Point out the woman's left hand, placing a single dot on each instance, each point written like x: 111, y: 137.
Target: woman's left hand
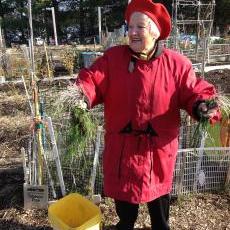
x: 208, y: 112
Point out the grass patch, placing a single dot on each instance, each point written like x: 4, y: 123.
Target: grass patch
x: 213, y: 138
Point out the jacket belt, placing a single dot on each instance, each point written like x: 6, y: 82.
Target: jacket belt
x: 149, y: 131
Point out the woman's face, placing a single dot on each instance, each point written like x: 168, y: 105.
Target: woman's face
x: 141, y: 38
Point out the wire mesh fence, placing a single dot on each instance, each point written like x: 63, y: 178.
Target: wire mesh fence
x: 194, y: 172
x: 196, y: 169
x: 201, y: 170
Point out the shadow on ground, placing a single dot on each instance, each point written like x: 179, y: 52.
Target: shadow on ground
x: 112, y: 227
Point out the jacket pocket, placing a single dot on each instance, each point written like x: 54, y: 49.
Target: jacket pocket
x: 113, y: 155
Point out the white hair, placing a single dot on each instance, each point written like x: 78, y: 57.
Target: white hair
x: 153, y: 27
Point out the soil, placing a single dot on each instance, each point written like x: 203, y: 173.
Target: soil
x: 200, y: 212
x: 220, y: 78
x: 194, y: 212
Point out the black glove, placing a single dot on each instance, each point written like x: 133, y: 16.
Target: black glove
x: 205, y: 109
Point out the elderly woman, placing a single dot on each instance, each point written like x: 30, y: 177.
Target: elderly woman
x: 143, y: 87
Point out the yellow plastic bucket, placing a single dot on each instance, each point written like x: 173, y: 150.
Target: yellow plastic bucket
x: 74, y: 212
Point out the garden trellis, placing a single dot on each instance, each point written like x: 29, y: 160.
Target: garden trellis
x: 193, y: 17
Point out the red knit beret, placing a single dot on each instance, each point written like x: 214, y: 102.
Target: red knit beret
x: 156, y: 11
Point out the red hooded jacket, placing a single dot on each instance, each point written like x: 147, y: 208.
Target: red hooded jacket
x: 142, y: 117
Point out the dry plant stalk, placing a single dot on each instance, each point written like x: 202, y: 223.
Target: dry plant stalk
x: 68, y: 61
x: 69, y: 99
x: 224, y: 104
x: 4, y: 60
x: 18, y: 64
x: 123, y: 40
x: 1, y: 71
x: 43, y: 70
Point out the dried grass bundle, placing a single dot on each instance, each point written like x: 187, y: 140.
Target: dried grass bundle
x: 81, y: 124
x: 224, y: 103
x: 69, y: 98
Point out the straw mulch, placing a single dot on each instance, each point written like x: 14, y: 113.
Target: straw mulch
x: 220, y: 78
x: 14, y: 128
x: 10, y: 155
x: 194, y: 212
x: 12, y: 105
x: 12, y: 88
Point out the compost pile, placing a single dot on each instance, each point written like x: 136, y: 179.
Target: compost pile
x: 206, y: 211
x: 220, y: 78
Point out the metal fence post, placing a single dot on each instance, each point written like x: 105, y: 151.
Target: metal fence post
x: 96, y: 158
x: 56, y: 155
x: 181, y: 174
x: 227, y: 182
x: 200, y: 157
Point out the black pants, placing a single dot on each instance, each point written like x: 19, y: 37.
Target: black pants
x: 158, y: 211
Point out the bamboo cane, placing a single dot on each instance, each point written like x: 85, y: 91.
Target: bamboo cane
x: 95, y: 161
x: 37, y: 118
x: 38, y: 132
x: 30, y: 163
x: 33, y: 162
x: 30, y: 160
x: 25, y: 168
x: 56, y: 155
x: 47, y: 61
x: 27, y: 95
x: 43, y: 117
